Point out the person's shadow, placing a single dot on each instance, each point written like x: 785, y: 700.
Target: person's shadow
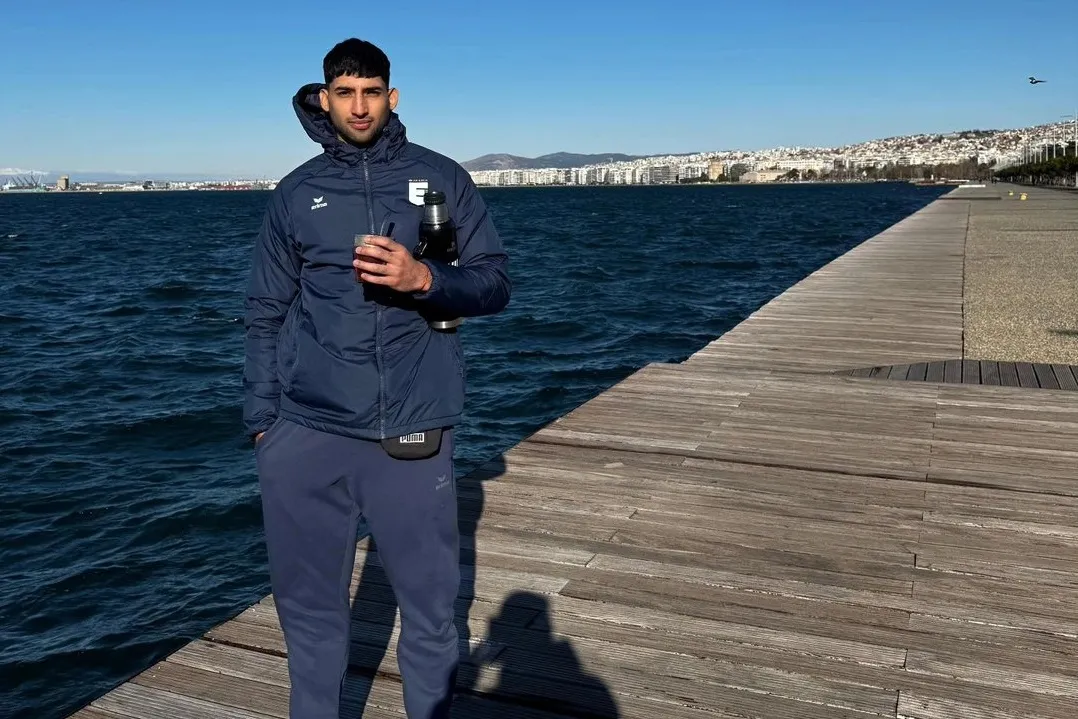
x: 374, y: 607
x: 537, y: 669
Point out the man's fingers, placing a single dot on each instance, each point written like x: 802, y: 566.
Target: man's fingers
x: 384, y: 242
x: 373, y: 267
x: 377, y: 279
x: 370, y: 250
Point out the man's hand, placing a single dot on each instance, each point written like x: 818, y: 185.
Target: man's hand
x: 382, y: 261
x: 258, y: 437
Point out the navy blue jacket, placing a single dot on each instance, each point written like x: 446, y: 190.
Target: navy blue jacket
x: 332, y: 353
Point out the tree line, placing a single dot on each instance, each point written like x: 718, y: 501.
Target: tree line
x: 1059, y: 169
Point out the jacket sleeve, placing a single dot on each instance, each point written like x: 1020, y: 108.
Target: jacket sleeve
x: 272, y: 286
x: 479, y: 284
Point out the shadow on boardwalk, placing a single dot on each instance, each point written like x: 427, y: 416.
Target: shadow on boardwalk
x: 534, y: 668
x: 538, y: 669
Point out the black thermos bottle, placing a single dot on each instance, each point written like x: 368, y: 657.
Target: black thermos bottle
x: 438, y: 241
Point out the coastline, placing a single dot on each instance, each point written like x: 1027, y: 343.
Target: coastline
x: 98, y: 191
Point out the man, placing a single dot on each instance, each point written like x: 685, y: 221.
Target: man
x: 339, y: 357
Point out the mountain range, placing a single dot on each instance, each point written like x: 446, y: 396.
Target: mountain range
x: 557, y: 160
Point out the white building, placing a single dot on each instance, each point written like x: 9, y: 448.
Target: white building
x: 692, y: 170
x: 804, y: 165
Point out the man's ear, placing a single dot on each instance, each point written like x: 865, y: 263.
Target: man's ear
x: 394, y: 98
x: 323, y: 99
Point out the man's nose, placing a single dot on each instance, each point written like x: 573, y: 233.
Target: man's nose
x: 359, y: 107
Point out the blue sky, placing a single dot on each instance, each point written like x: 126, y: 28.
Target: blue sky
x: 205, y: 87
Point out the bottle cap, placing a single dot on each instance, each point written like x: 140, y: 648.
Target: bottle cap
x: 433, y: 197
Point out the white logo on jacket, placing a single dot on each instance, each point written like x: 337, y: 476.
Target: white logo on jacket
x: 318, y: 202
x: 416, y: 188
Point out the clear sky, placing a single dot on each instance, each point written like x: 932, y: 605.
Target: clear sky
x: 206, y: 87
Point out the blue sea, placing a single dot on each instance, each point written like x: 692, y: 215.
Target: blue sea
x: 129, y: 511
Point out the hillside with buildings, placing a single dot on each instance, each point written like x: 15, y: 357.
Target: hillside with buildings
x: 557, y: 160
x: 957, y: 155
x: 991, y: 148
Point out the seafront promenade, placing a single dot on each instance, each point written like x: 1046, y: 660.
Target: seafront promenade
x: 862, y: 501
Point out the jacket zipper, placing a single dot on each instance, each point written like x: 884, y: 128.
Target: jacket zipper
x: 377, y: 310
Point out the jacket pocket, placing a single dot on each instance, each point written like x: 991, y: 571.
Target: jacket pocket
x: 268, y: 435
x: 457, y: 352
x: 341, y: 391
x: 287, y: 349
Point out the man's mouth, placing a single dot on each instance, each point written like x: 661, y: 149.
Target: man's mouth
x: 359, y: 124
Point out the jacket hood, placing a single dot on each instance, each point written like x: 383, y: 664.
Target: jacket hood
x: 317, y: 124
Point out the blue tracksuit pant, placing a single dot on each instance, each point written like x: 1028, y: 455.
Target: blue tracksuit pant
x: 314, y: 487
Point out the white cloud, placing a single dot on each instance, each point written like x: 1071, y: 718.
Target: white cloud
x: 17, y: 171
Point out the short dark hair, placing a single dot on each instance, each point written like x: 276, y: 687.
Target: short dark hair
x: 357, y: 58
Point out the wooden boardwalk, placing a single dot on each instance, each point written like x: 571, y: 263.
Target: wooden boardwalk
x: 747, y: 534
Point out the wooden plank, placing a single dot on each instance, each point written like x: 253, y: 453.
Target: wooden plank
x: 935, y: 371
x: 845, y: 452
x: 633, y: 626
x: 898, y: 371
x: 136, y: 701
x: 989, y: 372
x: 914, y: 705
x: 1000, y: 639
x: 740, y: 581
x: 90, y: 712
x: 1034, y: 603
x: 1065, y: 377
x: 703, y: 486
x: 1008, y: 374
x: 1046, y: 376
x: 698, y: 540
x: 225, y: 691
x: 872, y: 625
x: 1026, y: 376
x: 971, y: 372
x: 952, y: 371
x: 918, y: 372
x: 881, y: 627
x: 973, y: 538
x: 965, y: 504
x: 979, y: 671
x: 861, y: 570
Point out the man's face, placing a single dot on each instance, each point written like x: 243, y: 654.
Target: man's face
x: 358, y: 107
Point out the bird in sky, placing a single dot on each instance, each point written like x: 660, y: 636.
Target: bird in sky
x: 1034, y: 81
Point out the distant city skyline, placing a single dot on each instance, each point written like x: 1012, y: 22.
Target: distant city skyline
x: 1001, y: 145
x: 180, y: 91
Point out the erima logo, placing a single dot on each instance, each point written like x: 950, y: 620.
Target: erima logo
x: 416, y: 188
x: 318, y: 202
x: 414, y: 438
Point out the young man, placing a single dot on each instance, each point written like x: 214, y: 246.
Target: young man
x: 339, y: 357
